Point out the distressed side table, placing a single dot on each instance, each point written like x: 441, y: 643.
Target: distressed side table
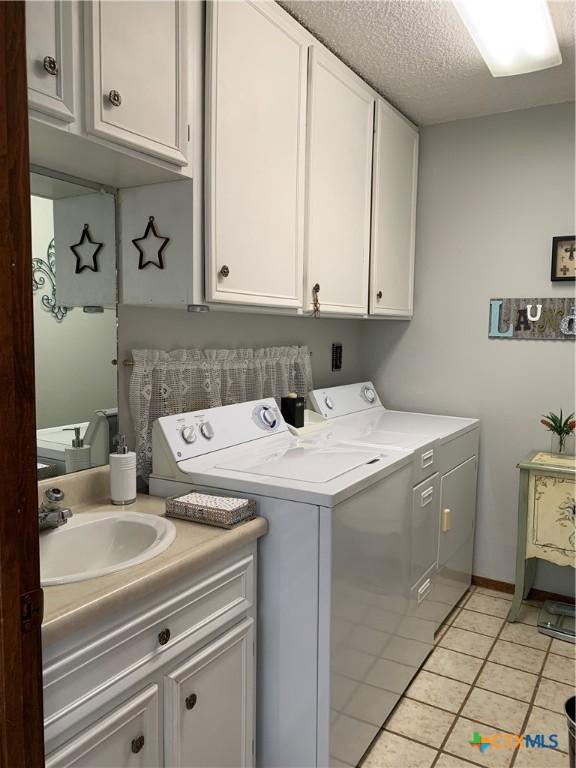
x: 546, y: 510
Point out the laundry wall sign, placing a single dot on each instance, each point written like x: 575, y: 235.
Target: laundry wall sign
x: 535, y: 319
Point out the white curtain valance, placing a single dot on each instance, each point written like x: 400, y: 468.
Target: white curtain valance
x: 164, y: 383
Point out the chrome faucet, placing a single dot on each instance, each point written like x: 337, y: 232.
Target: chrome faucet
x: 51, y: 514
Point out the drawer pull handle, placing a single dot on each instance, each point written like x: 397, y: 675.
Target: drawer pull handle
x: 426, y: 496
x: 164, y: 636
x: 446, y: 520
x: 137, y: 744
x: 114, y: 98
x: 50, y: 65
x: 190, y: 701
x: 427, y: 458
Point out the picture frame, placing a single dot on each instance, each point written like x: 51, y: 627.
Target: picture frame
x: 563, y: 258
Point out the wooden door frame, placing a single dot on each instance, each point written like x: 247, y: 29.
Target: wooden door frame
x: 21, y: 717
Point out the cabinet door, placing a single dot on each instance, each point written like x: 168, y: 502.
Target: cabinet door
x: 136, y: 75
x: 457, y: 510
x: 156, y: 270
x: 49, y: 58
x: 340, y: 128
x: 256, y: 112
x: 209, y: 704
x: 126, y: 738
x: 393, y: 214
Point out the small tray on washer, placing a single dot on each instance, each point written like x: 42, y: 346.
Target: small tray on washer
x: 221, y: 511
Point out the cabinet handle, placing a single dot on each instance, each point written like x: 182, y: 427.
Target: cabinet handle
x: 50, y: 65
x: 164, y: 636
x: 190, y: 701
x: 224, y: 271
x: 446, y: 520
x: 379, y: 295
x: 137, y: 744
x: 114, y: 98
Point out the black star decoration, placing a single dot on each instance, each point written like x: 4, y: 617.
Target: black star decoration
x: 158, y: 261
x: 77, y: 249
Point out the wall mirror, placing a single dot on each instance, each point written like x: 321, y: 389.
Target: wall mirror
x: 74, y: 287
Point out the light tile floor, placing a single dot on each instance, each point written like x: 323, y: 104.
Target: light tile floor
x: 484, y: 675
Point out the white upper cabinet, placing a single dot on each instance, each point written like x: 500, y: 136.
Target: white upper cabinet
x: 340, y: 129
x: 49, y: 42
x: 256, y: 128
x: 135, y: 66
x: 393, y: 214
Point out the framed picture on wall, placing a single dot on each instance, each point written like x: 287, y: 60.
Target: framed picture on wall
x: 564, y: 258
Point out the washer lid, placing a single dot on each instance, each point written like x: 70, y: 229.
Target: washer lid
x: 308, y: 464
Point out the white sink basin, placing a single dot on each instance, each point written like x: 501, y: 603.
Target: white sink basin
x: 96, y: 543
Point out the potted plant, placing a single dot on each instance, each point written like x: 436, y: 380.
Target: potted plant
x: 561, y: 428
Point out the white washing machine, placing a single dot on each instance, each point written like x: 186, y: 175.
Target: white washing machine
x: 445, y: 476
x: 334, y: 648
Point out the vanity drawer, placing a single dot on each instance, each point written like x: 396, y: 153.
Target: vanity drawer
x: 425, y: 462
x: 154, y: 637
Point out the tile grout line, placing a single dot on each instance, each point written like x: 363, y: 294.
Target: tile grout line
x: 464, y: 702
x: 533, y: 699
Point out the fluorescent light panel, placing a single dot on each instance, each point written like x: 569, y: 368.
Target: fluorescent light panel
x: 514, y: 36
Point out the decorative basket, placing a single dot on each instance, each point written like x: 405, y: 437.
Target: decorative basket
x: 221, y: 511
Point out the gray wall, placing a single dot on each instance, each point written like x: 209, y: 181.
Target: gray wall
x: 146, y: 328
x: 74, y: 376
x: 492, y: 193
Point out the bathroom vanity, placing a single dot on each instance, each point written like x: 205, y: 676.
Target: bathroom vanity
x: 150, y: 665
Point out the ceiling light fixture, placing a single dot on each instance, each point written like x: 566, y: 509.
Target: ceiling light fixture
x: 514, y: 36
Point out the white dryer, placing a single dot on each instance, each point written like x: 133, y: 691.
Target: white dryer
x: 445, y: 476
x: 334, y: 655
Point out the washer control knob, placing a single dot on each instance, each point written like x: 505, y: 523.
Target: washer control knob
x: 188, y: 434
x: 329, y: 403
x: 268, y: 417
x: 207, y: 430
x: 368, y: 394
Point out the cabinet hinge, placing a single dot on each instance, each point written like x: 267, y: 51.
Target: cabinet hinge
x: 31, y: 609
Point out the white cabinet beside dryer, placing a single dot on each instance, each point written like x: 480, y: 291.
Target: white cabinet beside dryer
x: 339, y: 177
x: 394, y: 185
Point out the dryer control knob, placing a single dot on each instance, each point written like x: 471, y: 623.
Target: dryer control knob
x: 368, y: 394
x: 207, y: 430
x: 268, y: 417
x: 188, y: 434
x: 329, y: 403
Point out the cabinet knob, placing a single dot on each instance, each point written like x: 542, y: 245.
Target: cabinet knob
x: 50, y: 65
x: 137, y: 744
x: 224, y: 271
x: 164, y: 636
x: 190, y: 701
x: 379, y: 295
x: 114, y: 98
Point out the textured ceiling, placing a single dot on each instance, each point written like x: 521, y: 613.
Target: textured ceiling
x: 419, y: 55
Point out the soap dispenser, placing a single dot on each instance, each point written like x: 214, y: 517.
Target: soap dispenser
x: 122, y: 473
x: 78, y: 456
